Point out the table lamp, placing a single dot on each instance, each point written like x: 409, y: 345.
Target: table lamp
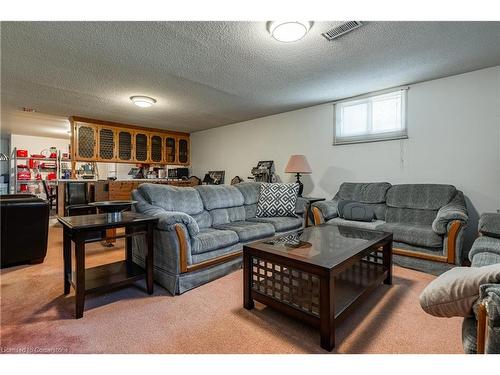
x: 298, y: 164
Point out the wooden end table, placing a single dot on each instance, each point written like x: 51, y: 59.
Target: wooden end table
x: 85, y: 229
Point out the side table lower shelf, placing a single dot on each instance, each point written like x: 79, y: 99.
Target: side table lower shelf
x: 110, y: 276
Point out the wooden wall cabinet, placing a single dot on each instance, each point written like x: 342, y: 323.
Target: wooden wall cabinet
x: 95, y: 140
x: 156, y: 149
x: 85, y: 146
x: 183, y: 153
x: 125, y: 149
x: 106, y: 143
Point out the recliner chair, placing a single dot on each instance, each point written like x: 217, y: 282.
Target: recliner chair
x: 24, y: 229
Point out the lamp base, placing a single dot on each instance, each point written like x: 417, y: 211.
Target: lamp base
x: 301, y: 185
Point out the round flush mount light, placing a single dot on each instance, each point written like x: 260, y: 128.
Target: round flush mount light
x: 143, y: 101
x: 289, y: 31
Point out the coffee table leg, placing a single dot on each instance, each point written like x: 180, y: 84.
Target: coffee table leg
x: 67, y: 261
x: 248, y: 302
x: 149, y: 259
x: 80, y: 278
x: 387, y: 259
x: 327, y: 313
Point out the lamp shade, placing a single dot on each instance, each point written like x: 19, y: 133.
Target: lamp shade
x: 298, y: 164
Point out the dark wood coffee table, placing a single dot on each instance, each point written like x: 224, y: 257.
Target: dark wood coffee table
x: 318, y: 274
x: 85, y: 229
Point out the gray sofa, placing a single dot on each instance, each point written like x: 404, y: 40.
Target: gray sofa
x: 485, y: 251
x: 201, y: 230
x: 427, y: 220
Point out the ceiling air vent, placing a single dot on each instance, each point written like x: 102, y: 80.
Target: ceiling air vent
x: 341, y: 29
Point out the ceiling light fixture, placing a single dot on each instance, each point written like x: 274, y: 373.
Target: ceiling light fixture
x: 289, y: 31
x: 143, y: 101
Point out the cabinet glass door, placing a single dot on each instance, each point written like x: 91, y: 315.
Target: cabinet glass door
x: 124, y: 145
x: 86, y: 142
x: 183, y: 151
x: 170, y: 150
x: 156, y: 148
x: 106, y: 144
x: 141, y: 147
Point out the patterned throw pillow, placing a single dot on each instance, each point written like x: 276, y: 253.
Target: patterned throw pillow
x: 277, y: 200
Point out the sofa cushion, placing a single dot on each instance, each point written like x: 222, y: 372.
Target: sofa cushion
x: 358, y: 212
x: 203, y: 219
x: 410, y: 216
x: 171, y: 198
x: 227, y: 215
x: 374, y: 192
x: 413, y: 234
x: 219, y: 196
x: 454, y: 292
x: 277, y: 200
x: 250, y: 191
x: 249, y: 230
x: 421, y: 196
x: 485, y: 244
x: 210, y: 239
x: 281, y: 224
x: 356, y: 224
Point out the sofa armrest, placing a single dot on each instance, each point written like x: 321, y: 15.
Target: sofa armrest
x: 168, y: 220
x: 487, y: 310
x: 327, y: 209
x: 489, y: 225
x: 453, y: 211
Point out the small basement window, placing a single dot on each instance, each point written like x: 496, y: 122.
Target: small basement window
x: 371, y: 118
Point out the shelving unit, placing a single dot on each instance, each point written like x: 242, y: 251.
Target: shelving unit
x: 15, y: 161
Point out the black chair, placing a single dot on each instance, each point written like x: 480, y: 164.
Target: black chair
x: 51, y: 197
x: 24, y: 229
x: 76, y: 200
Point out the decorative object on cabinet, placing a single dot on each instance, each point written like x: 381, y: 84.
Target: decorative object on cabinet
x: 236, y: 180
x: 214, y: 178
x: 264, y: 172
x: 298, y: 164
x: 207, y: 180
x: 194, y: 180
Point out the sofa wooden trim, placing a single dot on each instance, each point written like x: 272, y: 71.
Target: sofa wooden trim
x: 451, y: 245
x: 183, y: 254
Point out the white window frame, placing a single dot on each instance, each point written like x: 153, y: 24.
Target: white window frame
x: 339, y: 139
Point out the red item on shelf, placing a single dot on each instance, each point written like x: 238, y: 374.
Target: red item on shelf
x: 51, y: 176
x: 23, y: 187
x: 24, y: 175
x: 33, y: 163
x: 38, y: 176
x: 53, y: 155
x: 22, y: 153
x: 38, y: 156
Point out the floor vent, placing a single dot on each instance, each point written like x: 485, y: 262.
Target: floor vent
x: 341, y: 29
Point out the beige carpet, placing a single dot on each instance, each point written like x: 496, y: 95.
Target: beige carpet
x: 36, y: 317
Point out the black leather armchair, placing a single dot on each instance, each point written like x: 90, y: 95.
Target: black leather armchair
x: 77, y: 201
x: 24, y: 229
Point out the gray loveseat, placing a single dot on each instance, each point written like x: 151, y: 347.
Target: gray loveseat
x: 201, y: 230
x: 485, y: 251
x: 427, y: 220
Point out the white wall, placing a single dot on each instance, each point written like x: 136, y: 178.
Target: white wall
x: 454, y: 138
x: 35, y: 145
